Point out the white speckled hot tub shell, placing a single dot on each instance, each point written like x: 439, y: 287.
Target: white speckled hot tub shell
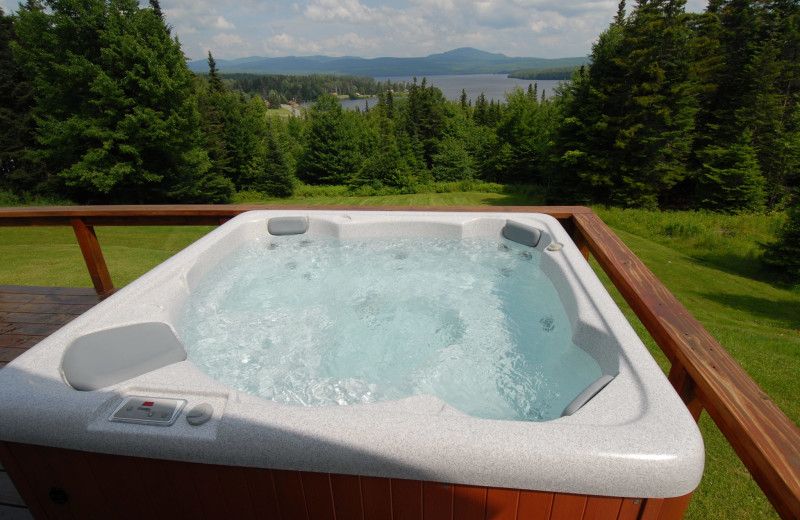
x: 635, y: 438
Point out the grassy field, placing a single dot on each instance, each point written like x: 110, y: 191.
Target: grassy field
x: 710, y: 262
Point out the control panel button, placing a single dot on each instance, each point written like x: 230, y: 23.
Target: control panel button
x: 200, y: 414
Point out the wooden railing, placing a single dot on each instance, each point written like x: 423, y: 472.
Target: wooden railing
x: 702, y: 372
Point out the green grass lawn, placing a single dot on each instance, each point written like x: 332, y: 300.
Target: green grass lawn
x: 710, y: 262
x: 715, y: 274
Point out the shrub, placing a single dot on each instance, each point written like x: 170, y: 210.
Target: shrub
x: 784, y: 255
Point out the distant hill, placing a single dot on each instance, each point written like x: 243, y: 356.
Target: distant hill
x: 459, y: 61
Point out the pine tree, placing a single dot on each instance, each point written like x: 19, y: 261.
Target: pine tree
x: 583, y: 155
x: 656, y: 122
x: 214, y: 81
x: 462, y: 102
x: 388, y: 158
x: 18, y: 169
x: 155, y: 5
x: 212, y: 129
x: 481, y: 111
x: 783, y: 255
x: 330, y: 153
x: 270, y: 172
x: 619, y: 18
x: 523, y: 135
x: 452, y: 162
x: 777, y: 105
x: 730, y: 177
x: 740, y: 78
x: 424, y: 118
x: 116, y: 118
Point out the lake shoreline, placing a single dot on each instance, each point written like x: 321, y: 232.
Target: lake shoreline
x: 493, y: 87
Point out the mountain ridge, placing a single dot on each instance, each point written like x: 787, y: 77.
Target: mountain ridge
x: 464, y: 60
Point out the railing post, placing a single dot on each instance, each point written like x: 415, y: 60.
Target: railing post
x: 580, y: 242
x: 93, y: 256
x: 684, y: 385
x: 577, y: 237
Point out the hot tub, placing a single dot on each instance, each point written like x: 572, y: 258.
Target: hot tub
x: 115, y: 390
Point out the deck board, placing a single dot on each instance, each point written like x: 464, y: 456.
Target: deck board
x: 8, y: 494
x: 27, y: 316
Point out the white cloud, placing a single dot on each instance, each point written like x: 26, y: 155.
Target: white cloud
x: 281, y: 41
x: 217, y: 22
x: 340, y: 10
x: 225, y: 45
x: 548, y: 22
x: 439, y: 5
x: 228, y: 40
x: 185, y: 30
x: 349, y: 40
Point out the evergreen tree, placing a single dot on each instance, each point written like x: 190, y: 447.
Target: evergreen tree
x: 523, y: 135
x: 391, y: 112
x: 708, y: 61
x: 759, y: 47
x: 656, y: 122
x: 424, y: 118
x: 783, y: 255
x: 452, y: 162
x: 619, y: 18
x: 481, y: 111
x: 583, y: 154
x: 115, y: 115
x: 155, y: 5
x: 730, y: 178
x: 214, y: 81
x: 389, y: 161
x: 274, y: 100
x: 244, y: 128
x: 463, y: 103
x: 532, y: 92
x: 270, y: 172
x: 330, y: 153
x: 212, y: 129
x: 18, y: 170
x: 777, y: 62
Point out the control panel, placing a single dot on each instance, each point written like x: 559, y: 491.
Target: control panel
x: 158, y: 411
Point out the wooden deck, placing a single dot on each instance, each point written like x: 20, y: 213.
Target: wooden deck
x: 27, y: 316
x: 30, y: 314
x: 702, y: 371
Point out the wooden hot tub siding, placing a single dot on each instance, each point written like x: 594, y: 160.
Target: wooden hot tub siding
x: 58, y: 483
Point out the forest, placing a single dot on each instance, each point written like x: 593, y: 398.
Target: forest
x: 675, y: 110
x: 279, y: 89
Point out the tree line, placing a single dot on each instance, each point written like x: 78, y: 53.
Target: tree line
x: 683, y: 110
x: 278, y: 89
x: 675, y: 110
x: 687, y: 110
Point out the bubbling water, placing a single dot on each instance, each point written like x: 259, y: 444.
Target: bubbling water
x: 314, y: 321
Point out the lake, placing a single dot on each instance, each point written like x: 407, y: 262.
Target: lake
x: 493, y: 86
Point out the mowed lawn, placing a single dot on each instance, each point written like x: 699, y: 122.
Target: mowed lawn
x: 708, y: 261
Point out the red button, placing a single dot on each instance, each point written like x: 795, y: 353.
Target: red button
x: 148, y: 403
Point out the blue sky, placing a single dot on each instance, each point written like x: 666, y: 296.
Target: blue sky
x: 401, y: 28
